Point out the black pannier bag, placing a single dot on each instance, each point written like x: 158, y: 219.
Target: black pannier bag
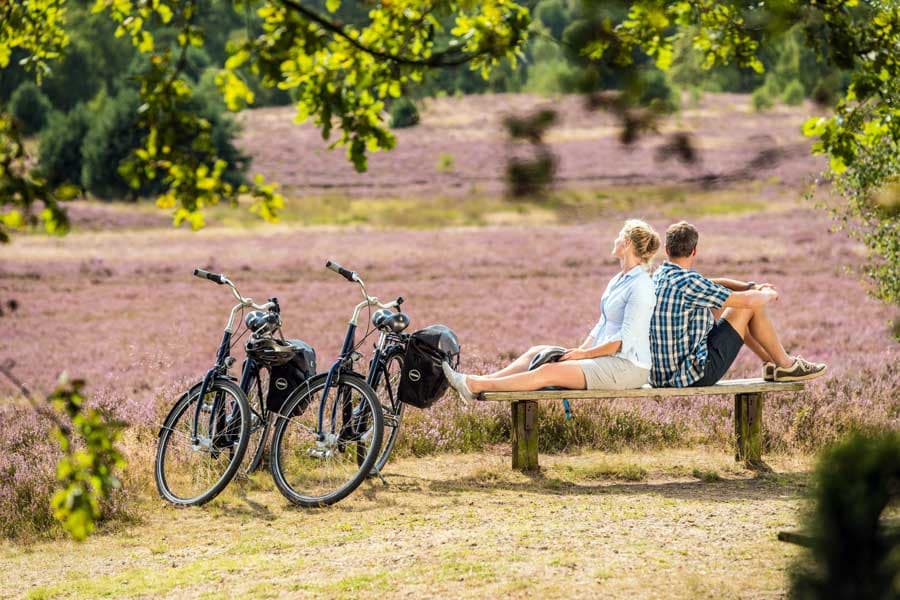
x: 285, y: 378
x: 422, y: 380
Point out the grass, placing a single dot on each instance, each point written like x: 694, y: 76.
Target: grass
x: 556, y: 207
x: 464, y: 525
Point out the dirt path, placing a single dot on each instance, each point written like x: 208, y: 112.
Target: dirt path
x: 670, y: 524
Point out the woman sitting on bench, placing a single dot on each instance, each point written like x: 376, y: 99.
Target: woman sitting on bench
x: 614, y: 356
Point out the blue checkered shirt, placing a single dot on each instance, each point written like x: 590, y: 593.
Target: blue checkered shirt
x: 681, y: 321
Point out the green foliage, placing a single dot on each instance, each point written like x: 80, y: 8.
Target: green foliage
x: 761, y: 99
x: 111, y: 138
x: 404, y: 113
x: 86, y: 470
x: 446, y: 163
x: 61, y: 141
x: 793, y: 94
x: 852, y: 555
x: 21, y: 188
x: 31, y: 107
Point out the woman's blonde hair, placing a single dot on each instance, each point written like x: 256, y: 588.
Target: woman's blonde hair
x: 643, y: 238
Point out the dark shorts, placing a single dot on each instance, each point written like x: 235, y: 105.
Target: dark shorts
x: 723, y: 344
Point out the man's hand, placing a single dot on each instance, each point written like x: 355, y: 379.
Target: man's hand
x: 769, y: 292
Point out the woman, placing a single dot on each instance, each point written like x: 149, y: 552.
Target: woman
x: 614, y: 356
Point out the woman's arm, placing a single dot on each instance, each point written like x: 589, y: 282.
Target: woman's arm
x: 593, y: 352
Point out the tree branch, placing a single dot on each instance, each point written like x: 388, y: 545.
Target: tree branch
x: 446, y: 58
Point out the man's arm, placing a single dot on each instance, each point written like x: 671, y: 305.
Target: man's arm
x: 733, y: 284
x: 751, y: 298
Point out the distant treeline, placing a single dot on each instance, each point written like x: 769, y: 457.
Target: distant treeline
x: 85, y: 109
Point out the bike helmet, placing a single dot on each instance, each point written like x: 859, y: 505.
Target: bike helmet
x: 260, y: 322
x: 270, y: 351
x: 548, y: 355
x: 389, y: 321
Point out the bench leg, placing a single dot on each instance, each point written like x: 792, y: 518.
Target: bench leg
x: 748, y: 428
x: 524, y: 435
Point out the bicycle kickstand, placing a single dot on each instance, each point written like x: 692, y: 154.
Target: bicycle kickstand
x: 380, y: 476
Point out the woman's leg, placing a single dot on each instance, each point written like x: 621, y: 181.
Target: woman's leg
x: 520, y: 365
x: 567, y: 374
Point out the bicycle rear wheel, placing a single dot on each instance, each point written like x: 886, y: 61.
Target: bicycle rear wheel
x: 193, y: 470
x: 391, y: 406
x: 313, y: 469
x: 259, y: 422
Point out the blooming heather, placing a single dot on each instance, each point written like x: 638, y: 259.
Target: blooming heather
x: 122, y: 311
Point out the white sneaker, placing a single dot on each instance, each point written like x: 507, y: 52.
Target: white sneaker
x: 458, y: 382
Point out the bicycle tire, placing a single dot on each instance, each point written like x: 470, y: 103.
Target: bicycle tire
x: 168, y: 458
x: 309, y: 458
x: 391, y: 406
x: 259, y: 424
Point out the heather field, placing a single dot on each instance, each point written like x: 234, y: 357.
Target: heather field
x: 114, y: 302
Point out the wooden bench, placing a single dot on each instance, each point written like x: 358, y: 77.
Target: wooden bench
x: 748, y: 406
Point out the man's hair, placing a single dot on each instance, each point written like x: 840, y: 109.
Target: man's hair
x: 681, y: 239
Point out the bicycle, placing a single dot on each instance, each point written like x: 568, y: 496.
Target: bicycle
x: 204, y: 437
x: 230, y: 426
x: 319, y: 457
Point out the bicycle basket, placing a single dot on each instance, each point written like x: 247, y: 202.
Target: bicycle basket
x: 284, y: 379
x: 422, y: 380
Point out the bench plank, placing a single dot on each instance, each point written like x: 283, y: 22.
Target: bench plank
x: 728, y: 387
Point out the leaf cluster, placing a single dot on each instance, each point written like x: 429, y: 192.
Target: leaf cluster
x: 86, y: 470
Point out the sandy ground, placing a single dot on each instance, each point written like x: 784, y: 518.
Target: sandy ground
x: 672, y: 524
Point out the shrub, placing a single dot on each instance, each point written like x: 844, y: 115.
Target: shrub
x: 656, y: 88
x: 446, y: 163
x: 851, y: 553
x: 30, y: 106
x: 761, y: 99
x: 110, y: 139
x: 794, y: 93
x: 60, y: 145
x: 404, y: 113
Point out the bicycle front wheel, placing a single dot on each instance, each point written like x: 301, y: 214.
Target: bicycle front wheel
x: 317, y: 468
x: 192, y: 467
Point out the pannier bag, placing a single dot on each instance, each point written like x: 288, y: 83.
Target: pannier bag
x: 285, y: 378
x: 422, y: 380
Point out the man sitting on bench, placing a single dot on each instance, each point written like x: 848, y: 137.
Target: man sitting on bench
x: 699, y: 325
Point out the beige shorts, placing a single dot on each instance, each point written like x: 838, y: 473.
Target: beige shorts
x: 612, y: 373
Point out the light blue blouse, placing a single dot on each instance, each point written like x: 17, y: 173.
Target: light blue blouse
x: 625, y: 312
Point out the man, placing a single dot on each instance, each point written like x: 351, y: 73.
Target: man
x: 692, y: 345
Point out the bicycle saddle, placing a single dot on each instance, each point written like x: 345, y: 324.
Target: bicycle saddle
x: 389, y: 321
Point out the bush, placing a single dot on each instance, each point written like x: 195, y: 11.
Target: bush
x: 111, y: 138
x: 115, y: 133
x: 60, y: 146
x: 761, y: 99
x: 404, y: 113
x: 30, y: 106
x: 794, y: 93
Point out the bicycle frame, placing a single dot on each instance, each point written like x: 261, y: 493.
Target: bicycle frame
x: 220, y: 369
x: 345, y: 355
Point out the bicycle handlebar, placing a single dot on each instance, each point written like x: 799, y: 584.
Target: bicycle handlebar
x: 345, y: 273
x: 214, y: 277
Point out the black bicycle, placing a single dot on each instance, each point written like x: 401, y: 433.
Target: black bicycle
x: 204, y: 437
x: 318, y: 457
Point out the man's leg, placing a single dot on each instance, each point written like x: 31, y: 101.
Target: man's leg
x: 567, y: 374
x: 520, y: 365
x: 755, y: 324
x: 749, y: 340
